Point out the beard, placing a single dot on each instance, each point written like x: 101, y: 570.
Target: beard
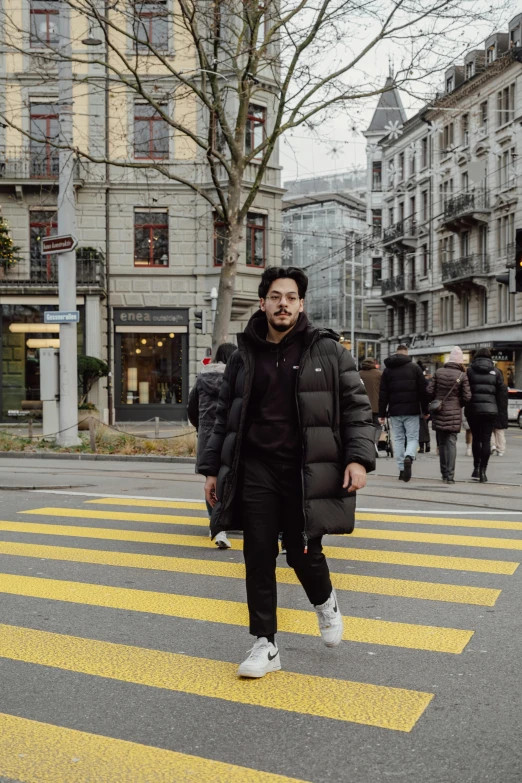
x: 279, y: 327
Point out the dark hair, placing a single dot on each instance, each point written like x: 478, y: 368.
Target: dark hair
x: 272, y: 273
x: 224, y: 352
x: 483, y: 352
x: 402, y: 348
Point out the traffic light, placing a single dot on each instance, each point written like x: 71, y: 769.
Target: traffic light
x: 201, y: 320
x: 518, y: 260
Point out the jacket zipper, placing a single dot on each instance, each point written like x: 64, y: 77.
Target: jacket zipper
x: 301, y: 365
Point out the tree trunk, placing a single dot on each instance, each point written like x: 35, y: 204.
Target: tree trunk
x: 227, y: 282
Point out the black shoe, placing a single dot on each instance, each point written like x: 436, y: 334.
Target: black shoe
x: 407, y: 468
x: 483, y: 478
x: 421, y: 450
x: 428, y: 449
x: 476, y: 473
x: 450, y: 481
x: 401, y: 476
x: 445, y: 480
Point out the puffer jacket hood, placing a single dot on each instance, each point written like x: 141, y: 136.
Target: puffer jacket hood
x: 398, y: 360
x: 368, y: 364
x: 482, y: 365
x: 403, y: 388
x: 487, y: 385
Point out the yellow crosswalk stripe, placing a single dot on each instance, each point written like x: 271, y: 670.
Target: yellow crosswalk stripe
x: 482, y: 542
x: 334, y: 552
x: 357, y: 629
x: 430, y: 591
x: 157, y: 519
x: 356, y: 702
x: 34, y: 752
x: 144, y: 503
x: 404, y: 519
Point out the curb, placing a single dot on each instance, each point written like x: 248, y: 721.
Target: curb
x: 96, y: 457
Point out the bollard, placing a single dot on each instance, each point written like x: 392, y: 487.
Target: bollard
x: 92, y: 433
x: 156, y: 426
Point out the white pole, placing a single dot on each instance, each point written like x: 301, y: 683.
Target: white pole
x: 213, y: 303
x: 66, y: 225
x: 352, y: 295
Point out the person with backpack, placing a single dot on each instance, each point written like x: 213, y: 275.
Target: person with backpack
x: 201, y: 410
x: 448, y: 392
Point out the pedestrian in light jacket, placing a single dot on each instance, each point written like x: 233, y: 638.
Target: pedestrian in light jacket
x: 450, y: 385
x: 201, y: 409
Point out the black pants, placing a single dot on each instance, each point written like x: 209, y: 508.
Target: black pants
x: 447, y: 453
x: 272, y: 502
x: 481, y: 428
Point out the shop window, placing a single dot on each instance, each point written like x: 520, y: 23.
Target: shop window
x: 255, y: 128
x: 44, y: 23
x: 152, y: 368
x: 255, y: 240
x: 44, y: 129
x: 151, y: 132
x: 151, y: 25
x: 151, y: 238
x: 376, y: 270
x: 219, y: 242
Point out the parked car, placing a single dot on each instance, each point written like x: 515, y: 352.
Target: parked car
x: 515, y: 406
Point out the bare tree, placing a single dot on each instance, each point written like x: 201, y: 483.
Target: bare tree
x: 305, y: 58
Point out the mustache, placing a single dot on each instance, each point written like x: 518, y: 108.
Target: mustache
x: 283, y: 312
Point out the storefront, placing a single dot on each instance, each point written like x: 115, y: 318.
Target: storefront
x: 151, y: 363
x: 23, y: 335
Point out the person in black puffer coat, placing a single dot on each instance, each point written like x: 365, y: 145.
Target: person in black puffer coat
x: 292, y: 442
x: 488, y: 400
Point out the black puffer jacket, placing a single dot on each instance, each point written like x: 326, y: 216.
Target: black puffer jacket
x: 403, y: 388
x: 336, y: 429
x: 449, y: 384
x: 202, y: 404
x: 488, y: 390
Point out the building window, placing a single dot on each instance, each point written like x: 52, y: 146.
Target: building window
x: 424, y: 152
x: 506, y: 172
x: 490, y: 54
x: 255, y: 132
x: 470, y: 69
x: 401, y: 318
x: 446, y: 308
x: 506, y: 105
x: 465, y: 182
x: 425, y: 316
x: 151, y: 25
x: 450, y: 82
x: 151, y: 133
x: 465, y: 130
x: 44, y: 126
x: 425, y: 260
x: 391, y: 216
x: 401, y: 167
x: 376, y: 222
x: 376, y: 270
x: 464, y: 310
x: 391, y: 322
x: 483, y: 116
x: 484, y: 307
x: 377, y: 175
x: 151, y: 367
x: 42, y: 223
x: 412, y: 317
x: 448, y: 137
x: 425, y: 206
x: 219, y: 242
x: 151, y: 238
x: 44, y: 23
x: 413, y: 161
x: 255, y: 240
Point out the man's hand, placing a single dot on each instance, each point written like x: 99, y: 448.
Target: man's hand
x: 210, y: 490
x: 382, y: 421
x: 354, y: 477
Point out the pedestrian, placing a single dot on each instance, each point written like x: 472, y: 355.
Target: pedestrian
x: 449, y: 387
x: 403, y: 398
x: 201, y: 410
x: 469, y: 435
x: 424, y: 435
x: 488, y: 400
x: 498, y: 436
x: 292, y: 442
x: 371, y: 377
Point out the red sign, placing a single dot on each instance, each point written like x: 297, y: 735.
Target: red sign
x: 58, y: 244
x: 206, y: 360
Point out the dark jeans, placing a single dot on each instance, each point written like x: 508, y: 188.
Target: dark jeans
x: 447, y: 453
x: 271, y: 502
x: 481, y: 428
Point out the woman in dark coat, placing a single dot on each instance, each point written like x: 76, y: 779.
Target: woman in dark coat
x: 488, y: 400
x: 450, y: 385
x: 201, y: 410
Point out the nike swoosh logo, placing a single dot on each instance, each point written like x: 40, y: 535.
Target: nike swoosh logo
x: 335, y: 607
x: 271, y: 657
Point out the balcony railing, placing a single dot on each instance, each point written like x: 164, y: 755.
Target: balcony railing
x: 403, y: 228
x: 465, y: 267
x: 43, y: 271
x: 33, y: 163
x: 394, y: 285
x: 475, y: 200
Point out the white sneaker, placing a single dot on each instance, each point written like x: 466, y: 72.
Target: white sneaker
x: 500, y: 453
x: 468, y: 452
x: 263, y: 658
x: 221, y: 541
x: 330, y: 621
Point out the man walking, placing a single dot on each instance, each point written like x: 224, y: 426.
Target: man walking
x: 292, y: 442
x: 403, y: 398
x: 371, y: 377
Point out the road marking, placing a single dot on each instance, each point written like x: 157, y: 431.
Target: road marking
x: 34, y: 752
x: 122, y: 516
x: 357, y: 629
x: 334, y: 552
x: 430, y: 591
x: 111, y: 500
x: 356, y: 702
x: 441, y: 521
x: 440, y: 539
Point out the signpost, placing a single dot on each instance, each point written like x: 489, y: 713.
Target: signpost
x: 63, y: 244
x: 56, y: 317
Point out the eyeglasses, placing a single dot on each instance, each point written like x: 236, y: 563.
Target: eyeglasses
x: 276, y: 298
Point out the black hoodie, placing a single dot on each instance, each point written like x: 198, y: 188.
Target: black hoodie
x: 272, y: 429
x: 403, y: 388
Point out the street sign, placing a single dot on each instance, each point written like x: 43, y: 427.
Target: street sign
x: 56, y: 317
x: 58, y: 244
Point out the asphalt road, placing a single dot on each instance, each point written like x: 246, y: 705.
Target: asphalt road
x: 122, y: 627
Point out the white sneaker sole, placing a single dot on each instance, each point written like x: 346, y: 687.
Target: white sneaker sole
x: 336, y: 640
x: 221, y: 544
x: 256, y: 674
